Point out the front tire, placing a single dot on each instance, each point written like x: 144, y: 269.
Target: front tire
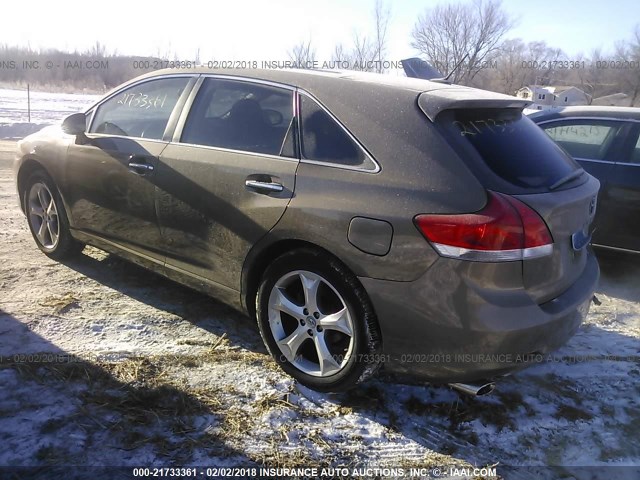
x: 47, y: 218
x: 317, y: 321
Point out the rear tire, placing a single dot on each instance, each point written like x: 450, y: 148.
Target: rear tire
x: 47, y: 218
x: 317, y: 321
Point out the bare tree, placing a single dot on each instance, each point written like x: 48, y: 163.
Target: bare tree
x: 356, y: 58
x: 541, y: 59
x: 381, y: 15
x: 167, y: 54
x: 510, y: 76
x: 98, y: 50
x: 340, y: 55
x: 519, y: 64
x: 627, y: 59
x: 303, y: 54
x: 367, y: 53
x: 446, y: 34
x: 364, y: 53
x: 361, y: 56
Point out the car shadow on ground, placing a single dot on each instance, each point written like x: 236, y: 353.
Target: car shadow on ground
x: 619, y: 274
x: 575, y: 392
x: 164, y: 294
x: 62, y: 409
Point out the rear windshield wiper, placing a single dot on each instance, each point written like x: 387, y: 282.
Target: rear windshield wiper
x: 572, y: 176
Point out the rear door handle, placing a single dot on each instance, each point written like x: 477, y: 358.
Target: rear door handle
x: 139, y: 165
x: 263, y: 187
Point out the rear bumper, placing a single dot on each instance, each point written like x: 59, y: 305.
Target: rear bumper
x: 465, y: 321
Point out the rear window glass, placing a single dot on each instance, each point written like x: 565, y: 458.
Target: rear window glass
x: 513, y: 147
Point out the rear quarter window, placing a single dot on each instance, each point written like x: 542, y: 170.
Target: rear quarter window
x: 506, y: 150
x: 324, y: 140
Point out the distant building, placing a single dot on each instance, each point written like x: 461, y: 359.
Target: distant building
x: 541, y: 97
x: 547, y: 97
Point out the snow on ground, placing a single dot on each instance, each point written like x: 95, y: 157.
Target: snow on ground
x: 103, y: 363
x: 46, y: 109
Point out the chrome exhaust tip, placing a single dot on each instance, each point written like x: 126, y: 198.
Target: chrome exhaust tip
x: 475, y: 389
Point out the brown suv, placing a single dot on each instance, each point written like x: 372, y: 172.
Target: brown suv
x: 363, y: 219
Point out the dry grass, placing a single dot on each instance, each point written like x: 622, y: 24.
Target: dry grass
x: 144, y: 401
x: 220, y: 341
x: 466, y: 409
x: 61, y: 304
x: 273, y: 400
x: 275, y: 456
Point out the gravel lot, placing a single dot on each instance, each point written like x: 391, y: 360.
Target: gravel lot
x: 103, y: 363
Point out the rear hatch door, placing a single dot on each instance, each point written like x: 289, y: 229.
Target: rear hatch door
x: 510, y: 154
x: 569, y: 215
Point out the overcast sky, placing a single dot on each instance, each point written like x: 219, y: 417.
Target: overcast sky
x: 266, y: 30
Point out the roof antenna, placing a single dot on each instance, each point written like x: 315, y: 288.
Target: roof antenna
x: 446, y: 79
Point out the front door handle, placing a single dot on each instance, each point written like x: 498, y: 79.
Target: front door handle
x: 139, y: 166
x: 263, y: 187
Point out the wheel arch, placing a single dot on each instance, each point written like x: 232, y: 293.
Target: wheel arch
x: 28, y: 166
x: 349, y: 286
x: 259, y: 258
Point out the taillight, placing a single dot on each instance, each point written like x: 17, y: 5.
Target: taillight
x: 504, y: 230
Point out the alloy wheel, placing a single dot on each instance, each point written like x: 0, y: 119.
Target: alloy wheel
x: 311, y: 323
x: 43, y: 215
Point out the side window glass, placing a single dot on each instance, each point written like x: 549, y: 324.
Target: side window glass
x: 324, y: 140
x: 635, y: 155
x: 584, y: 139
x: 240, y: 116
x: 290, y: 141
x: 87, y: 120
x: 142, y: 110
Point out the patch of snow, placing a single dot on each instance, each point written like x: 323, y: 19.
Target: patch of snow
x: 45, y: 107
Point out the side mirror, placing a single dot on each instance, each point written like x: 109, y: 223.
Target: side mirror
x: 75, y: 124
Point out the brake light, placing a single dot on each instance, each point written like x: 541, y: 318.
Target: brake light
x: 506, y: 229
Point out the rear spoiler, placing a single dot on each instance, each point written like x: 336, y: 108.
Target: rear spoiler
x: 435, y: 101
